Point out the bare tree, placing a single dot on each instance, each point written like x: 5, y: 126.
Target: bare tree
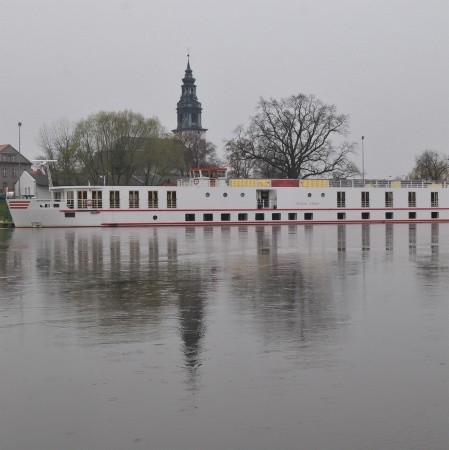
x: 57, y: 143
x: 237, y: 152
x: 291, y: 137
x: 197, y: 151
x: 430, y: 165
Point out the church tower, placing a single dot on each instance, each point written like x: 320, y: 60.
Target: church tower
x: 189, y: 108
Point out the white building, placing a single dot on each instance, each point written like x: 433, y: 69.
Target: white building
x: 33, y: 184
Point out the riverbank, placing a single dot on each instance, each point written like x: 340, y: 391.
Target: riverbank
x: 5, y: 216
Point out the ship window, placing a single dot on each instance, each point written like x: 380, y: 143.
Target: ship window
x: 226, y: 217
x: 153, y: 199
x: 242, y: 216
x: 341, y: 199
x: 114, y: 199
x: 208, y: 217
x: 365, y: 199
x: 388, y: 215
x: 69, y: 214
x: 70, y: 199
x: 434, y: 199
x: 260, y: 216
x: 275, y: 216
x: 171, y: 199
x: 207, y: 194
x: 309, y: 195
x: 133, y: 199
x: 365, y: 215
x: 323, y: 194
x: 292, y: 216
x: 388, y: 199
x: 82, y: 199
x: 412, y: 215
x: 154, y: 217
x: 190, y: 217
x: 412, y: 199
x: 225, y: 194
x: 242, y: 194
x: 308, y: 216
x: 434, y: 215
x: 97, y: 199
x: 341, y: 216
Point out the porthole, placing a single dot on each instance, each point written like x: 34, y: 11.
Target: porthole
x: 323, y: 194
x: 242, y: 194
x: 309, y: 195
x: 207, y: 194
x: 154, y: 217
x: 225, y: 194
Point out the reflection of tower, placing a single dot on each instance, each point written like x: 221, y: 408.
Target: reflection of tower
x: 192, y: 326
x: 189, y: 110
x: 192, y: 329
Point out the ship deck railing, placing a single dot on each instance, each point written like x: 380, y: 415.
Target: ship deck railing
x: 207, y: 182
x: 409, y: 184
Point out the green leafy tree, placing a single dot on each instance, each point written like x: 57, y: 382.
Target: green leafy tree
x: 119, y: 148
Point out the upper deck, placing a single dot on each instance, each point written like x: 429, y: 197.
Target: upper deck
x: 205, y: 176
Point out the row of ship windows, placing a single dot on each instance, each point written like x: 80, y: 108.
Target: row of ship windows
x: 224, y: 217
x: 242, y: 217
x: 153, y: 201
x: 365, y: 200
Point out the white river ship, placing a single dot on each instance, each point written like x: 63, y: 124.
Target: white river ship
x: 208, y: 197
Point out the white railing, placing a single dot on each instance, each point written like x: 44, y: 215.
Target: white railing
x: 410, y: 184
x: 205, y: 182
x: 266, y: 204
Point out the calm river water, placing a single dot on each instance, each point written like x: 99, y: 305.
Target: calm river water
x: 288, y: 337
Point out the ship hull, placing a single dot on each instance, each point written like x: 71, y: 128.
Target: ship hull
x: 121, y: 206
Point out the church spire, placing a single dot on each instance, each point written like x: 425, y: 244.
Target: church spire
x: 189, y: 108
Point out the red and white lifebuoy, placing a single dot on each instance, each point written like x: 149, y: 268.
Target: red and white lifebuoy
x: 89, y: 203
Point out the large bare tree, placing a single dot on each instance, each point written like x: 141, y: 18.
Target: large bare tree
x: 430, y: 165
x: 292, y: 138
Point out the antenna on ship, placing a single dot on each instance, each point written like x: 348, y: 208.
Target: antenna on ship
x: 45, y: 163
x: 363, y: 162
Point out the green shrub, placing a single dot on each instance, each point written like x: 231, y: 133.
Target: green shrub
x: 4, y: 212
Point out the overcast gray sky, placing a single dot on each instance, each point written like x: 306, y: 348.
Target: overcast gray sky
x: 383, y: 62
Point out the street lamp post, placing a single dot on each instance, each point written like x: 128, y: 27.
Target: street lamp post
x: 363, y: 162
x: 20, y: 157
